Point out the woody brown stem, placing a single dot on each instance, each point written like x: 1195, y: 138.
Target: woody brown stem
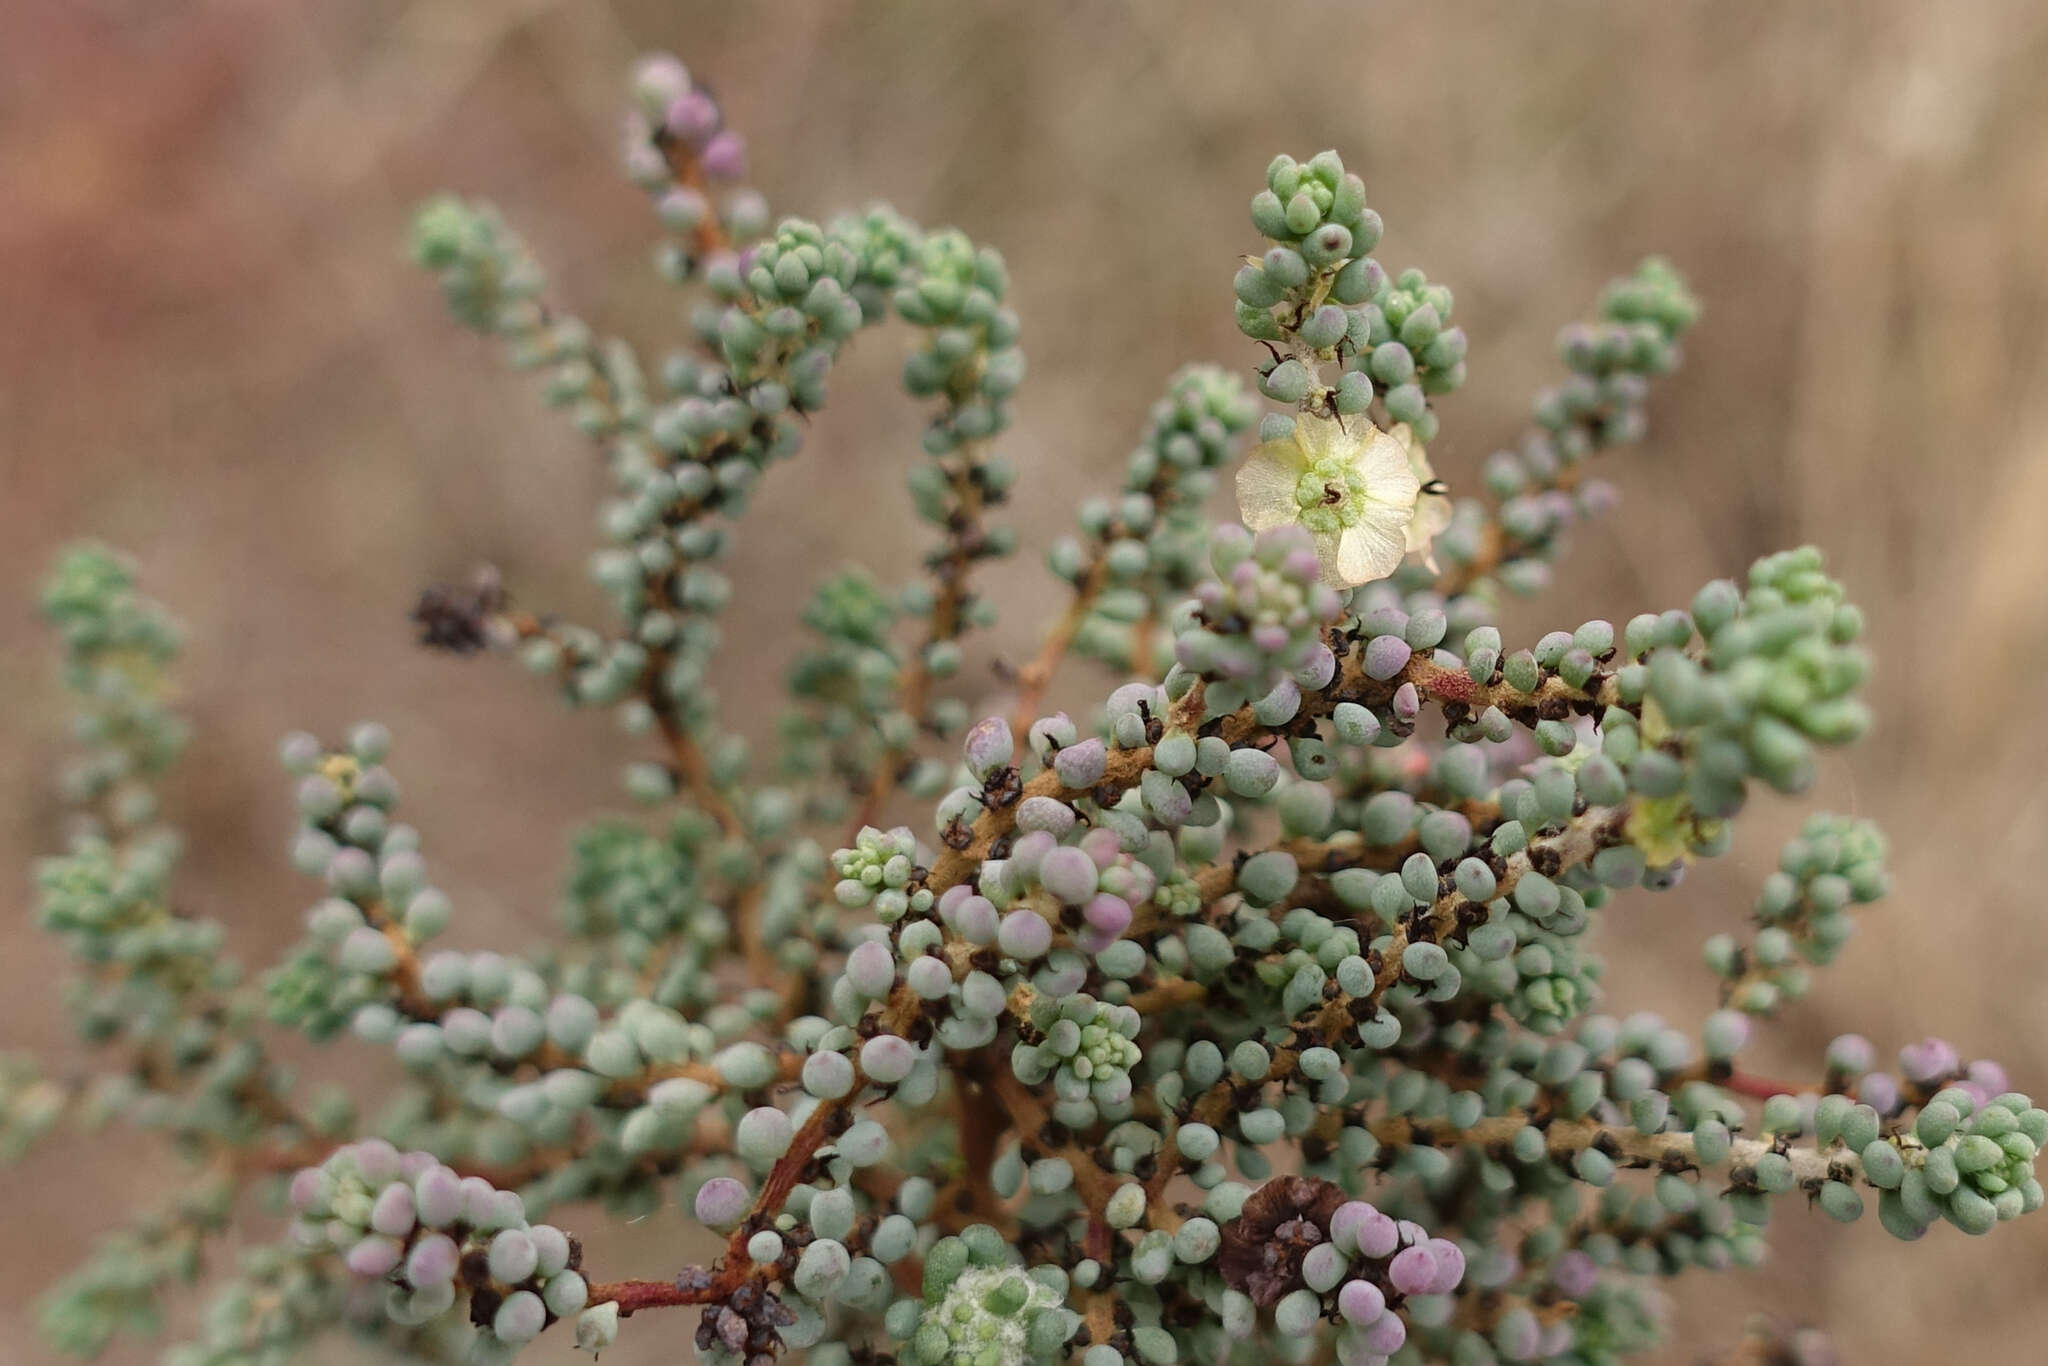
x: 735, y: 1267
x: 1441, y: 684
x: 709, y: 236
x: 951, y: 567
x: 412, y: 1000
x: 633, y: 1296
x: 1583, y: 837
x: 981, y: 1126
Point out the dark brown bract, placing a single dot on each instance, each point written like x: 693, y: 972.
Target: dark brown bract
x: 1264, y: 1245
x: 457, y: 618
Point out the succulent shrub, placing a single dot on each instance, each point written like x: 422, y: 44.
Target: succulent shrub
x: 1254, y: 1013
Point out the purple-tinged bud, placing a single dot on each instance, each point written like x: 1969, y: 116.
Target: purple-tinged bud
x: 1229, y: 545
x: 1385, y: 620
x: 659, y: 80
x: 1575, y: 1274
x: 1450, y: 1265
x: 520, y: 1317
x: 1323, y: 601
x: 721, y: 1203
x: 1990, y: 1075
x: 929, y: 977
x: 1108, y: 917
x: 1280, y: 704
x: 513, y: 1256
x: 1134, y: 882
x: 1386, y: 1334
x: 1597, y: 497
x: 1413, y: 1270
x: 1725, y: 1032
x: 829, y: 1075
x: 1929, y: 1060
x: 725, y: 156
x: 1345, y: 1222
x: 1049, y: 814
x: 1407, y: 702
x: 1317, y: 668
x: 433, y: 1261
x: 1065, y: 980
x: 1130, y: 697
x: 1372, y: 1231
x: 1270, y: 636
x: 1030, y: 850
x: 1102, y: 845
x: 310, y: 1191
x: 1166, y: 799
x: 478, y: 1199
x: 375, y: 1257
x: 988, y: 746
x: 1879, y: 1091
x: 871, y: 968
x: 1361, y: 1302
x: 1851, y: 1053
x: 1081, y: 764
x: 376, y: 1159
x: 887, y: 1059
x: 975, y: 920
x: 438, y: 1197
x: 1024, y: 934
x: 1068, y: 873
x: 693, y: 118
x: 393, y: 1213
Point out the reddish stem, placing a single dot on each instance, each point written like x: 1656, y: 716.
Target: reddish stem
x: 632, y: 1296
x: 1759, y: 1088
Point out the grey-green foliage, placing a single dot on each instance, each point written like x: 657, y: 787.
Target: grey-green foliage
x: 1253, y: 1012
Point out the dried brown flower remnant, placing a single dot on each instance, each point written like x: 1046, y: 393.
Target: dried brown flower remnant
x: 1264, y: 1245
x: 454, y: 619
x: 746, y: 1324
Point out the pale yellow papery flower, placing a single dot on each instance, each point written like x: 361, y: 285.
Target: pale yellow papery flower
x: 1353, y: 487
x: 1432, y: 510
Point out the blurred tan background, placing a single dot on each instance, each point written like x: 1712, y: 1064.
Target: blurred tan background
x: 213, y: 354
